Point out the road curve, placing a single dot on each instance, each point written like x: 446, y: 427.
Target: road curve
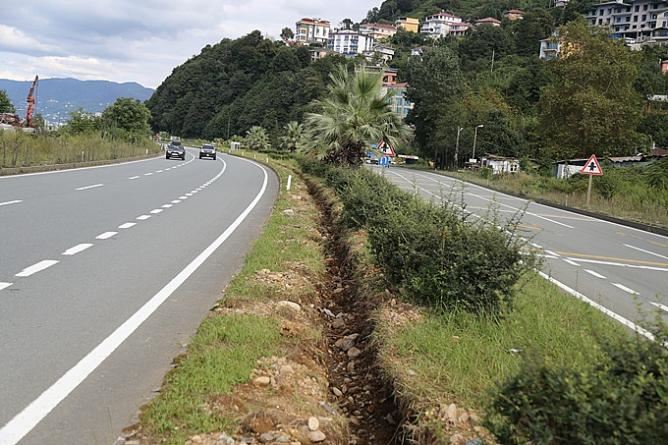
x: 622, y: 270
x: 104, y: 275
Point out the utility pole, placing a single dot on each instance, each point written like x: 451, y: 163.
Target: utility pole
x: 229, y: 117
x: 475, y: 139
x: 493, y: 55
x: 459, y: 131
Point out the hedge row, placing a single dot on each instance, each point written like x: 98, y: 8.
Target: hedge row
x: 435, y: 253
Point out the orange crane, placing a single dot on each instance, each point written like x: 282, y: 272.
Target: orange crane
x: 31, y: 100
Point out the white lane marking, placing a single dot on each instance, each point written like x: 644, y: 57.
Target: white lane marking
x: 649, y: 252
x: 571, y: 262
x: 167, y: 206
x: 551, y: 257
x: 156, y: 211
x: 143, y: 217
x: 77, y: 249
x: 612, y: 263
x: 38, y: 409
x: 183, y: 198
x: 4, y: 285
x: 148, y: 174
x: 527, y: 212
x: 595, y: 274
x: 549, y: 252
x: 88, y: 187
x: 537, y: 246
x: 79, y: 169
x: 625, y: 289
x: 8, y: 203
x: 189, y: 194
x: 176, y: 201
x: 127, y: 225
x: 106, y: 235
x: 605, y: 310
x: 663, y: 307
x: 133, y: 177
x: 159, y: 171
x: 38, y: 267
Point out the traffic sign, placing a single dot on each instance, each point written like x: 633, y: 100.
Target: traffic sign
x: 386, y: 148
x: 592, y: 167
x: 384, y: 161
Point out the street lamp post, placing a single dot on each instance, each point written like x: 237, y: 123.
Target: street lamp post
x: 459, y: 131
x: 475, y: 139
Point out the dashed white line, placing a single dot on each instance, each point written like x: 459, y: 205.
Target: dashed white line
x: 159, y: 171
x: 649, y: 252
x: 549, y: 252
x: 143, y: 217
x: 148, y: 174
x: 4, y: 285
x: 571, y: 262
x: 167, y: 206
x: 663, y: 307
x: 89, y: 187
x: 183, y: 198
x: 595, y: 274
x: 106, y: 235
x: 176, y: 201
x: 156, y: 211
x: 612, y: 263
x: 77, y: 249
x: 189, y: 194
x: 127, y: 225
x: 38, y: 267
x: 8, y: 203
x: 134, y: 177
x: 550, y: 257
x: 537, y: 246
x: 625, y: 289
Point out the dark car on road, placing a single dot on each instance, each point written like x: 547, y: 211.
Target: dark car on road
x: 175, y: 150
x: 207, y: 151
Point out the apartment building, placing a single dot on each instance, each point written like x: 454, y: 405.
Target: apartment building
x: 444, y: 24
x: 408, y: 24
x: 350, y: 42
x: 312, y: 31
x: 379, y: 31
x: 637, y: 21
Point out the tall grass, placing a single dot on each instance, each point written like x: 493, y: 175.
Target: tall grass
x: 26, y: 150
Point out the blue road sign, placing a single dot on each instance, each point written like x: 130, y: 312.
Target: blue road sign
x: 384, y: 161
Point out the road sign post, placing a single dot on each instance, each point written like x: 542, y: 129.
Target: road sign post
x: 591, y: 168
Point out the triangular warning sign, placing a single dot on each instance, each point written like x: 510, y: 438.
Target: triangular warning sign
x: 386, y: 148
x: 592, y: 167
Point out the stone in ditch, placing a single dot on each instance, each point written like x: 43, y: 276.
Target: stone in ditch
x: 338, y: 323
x: 289, y: 212
x: 267, y: 437
x: 451, y: 413
x: 224, y: 439
x: 262, y: 381
x: 354, y: 352
x: 283, y: 438
x: 290, y: 305
x: 316, y: 436
x: 345, y: 344
x: 313, y: 424
x: 336, y: 391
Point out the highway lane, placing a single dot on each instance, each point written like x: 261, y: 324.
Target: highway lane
x: 620, y: 268
x: 123, y: 262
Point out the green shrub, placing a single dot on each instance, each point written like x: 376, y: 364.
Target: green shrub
x: 621, y: 400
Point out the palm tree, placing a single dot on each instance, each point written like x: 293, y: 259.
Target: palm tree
x: 257, y: 139
x: 353, y: 115
x: 294, y: 136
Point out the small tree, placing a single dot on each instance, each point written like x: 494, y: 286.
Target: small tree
x: 127, y: 114
x: 257, y: 139
x: 82, y: 122
x: 6, y: 105
x: 293, y: 138
x: 287, y: 34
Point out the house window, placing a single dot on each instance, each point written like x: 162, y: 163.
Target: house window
x: 644, y: 7
x: 600, y: 12
x: 644, y: 17
x: 637, y: 8
x: 635, y: 18
x: 600, y: 21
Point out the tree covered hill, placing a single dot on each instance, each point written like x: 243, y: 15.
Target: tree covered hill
x: 236, y: 84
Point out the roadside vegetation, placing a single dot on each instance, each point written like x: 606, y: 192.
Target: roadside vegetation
x: 122, y: 132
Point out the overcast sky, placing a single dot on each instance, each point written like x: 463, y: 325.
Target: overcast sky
x: 139, y: 40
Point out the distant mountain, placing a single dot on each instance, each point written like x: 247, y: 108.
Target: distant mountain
x: 57, y: 98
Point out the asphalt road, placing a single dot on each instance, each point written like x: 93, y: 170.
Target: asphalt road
x: 624, y: 270
x: 104, y: 275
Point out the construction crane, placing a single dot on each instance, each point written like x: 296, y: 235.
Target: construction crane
x: 31, y: 100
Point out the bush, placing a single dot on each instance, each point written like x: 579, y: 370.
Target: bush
x: 439, y: 257
x: 621, y: 400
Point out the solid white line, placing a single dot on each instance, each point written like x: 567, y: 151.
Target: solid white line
x: 605, y: 310
x: 134, y: 177
x: 8, y: 203
x: 549, y: 252
x: 551, y: 257
x: 625, y: 289
x: 143, y: 217
x: 595, y: 274
x: 4, y: 285
x: 611, y: 263
x: 106, y: 235
x: 127, y: 225
x: 659, y: 305
x: 537, y: 246
x: 77, y: 249
x: 649, y: 252
x: 571, y: 262
x: 30, y: 416
x: 156, y: 211
x: 88, y: 187
x: 167, y: 206
x: 78, y: 169
x: 38, y: 267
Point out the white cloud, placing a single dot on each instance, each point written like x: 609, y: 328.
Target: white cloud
x: 130, y: 40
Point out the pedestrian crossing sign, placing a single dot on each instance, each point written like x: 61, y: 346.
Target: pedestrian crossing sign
x: 592, y: 167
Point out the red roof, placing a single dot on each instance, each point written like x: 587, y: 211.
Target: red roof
x: 488, y: 20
